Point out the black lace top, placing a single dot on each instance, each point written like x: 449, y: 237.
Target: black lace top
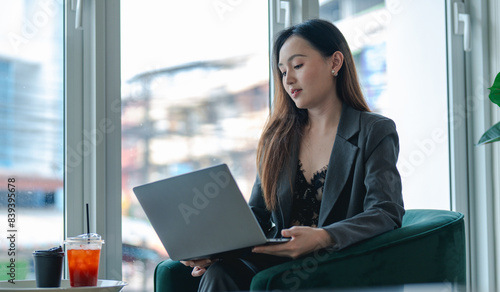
x: 307, y: 198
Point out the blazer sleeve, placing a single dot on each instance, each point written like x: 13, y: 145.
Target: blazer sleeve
x: 382, y: 206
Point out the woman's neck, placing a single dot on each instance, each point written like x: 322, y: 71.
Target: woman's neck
x: 325, y: 118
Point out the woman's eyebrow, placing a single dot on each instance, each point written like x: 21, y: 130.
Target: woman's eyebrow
x: 291, y: 58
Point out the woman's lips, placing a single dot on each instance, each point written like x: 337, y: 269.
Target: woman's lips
x: 295, y: 92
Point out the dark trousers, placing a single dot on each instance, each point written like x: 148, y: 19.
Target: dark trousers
x: 235, y: 274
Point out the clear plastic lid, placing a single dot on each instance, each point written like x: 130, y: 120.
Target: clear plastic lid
x: 86, y: 237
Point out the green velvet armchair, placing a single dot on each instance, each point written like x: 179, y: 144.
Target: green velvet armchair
x: 428, y: 248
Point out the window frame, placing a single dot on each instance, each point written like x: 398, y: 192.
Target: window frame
x: 480, y: 198
x: 494, y: 47
x: 457, y: 128
x: 93, y: 128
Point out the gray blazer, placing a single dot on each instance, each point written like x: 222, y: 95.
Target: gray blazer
x: 362, y: 191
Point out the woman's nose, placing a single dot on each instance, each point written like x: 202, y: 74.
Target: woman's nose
x: 289, y: 78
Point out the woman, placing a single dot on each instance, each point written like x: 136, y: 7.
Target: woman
x: 327, y: 166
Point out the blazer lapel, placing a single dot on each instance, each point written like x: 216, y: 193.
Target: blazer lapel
x: 341, y: 161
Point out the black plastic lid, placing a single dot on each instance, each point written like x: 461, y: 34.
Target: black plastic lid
x: 58, y: 251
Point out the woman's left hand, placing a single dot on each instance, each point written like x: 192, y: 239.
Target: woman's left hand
x: 303, y: 241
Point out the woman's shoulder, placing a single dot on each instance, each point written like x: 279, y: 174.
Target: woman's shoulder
x: 363, y: 124
x: 374, y: 123
x: 371, y: 118
x: 375, y: 128
x: 365, y: 117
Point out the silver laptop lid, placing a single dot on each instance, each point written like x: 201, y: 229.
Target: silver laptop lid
x: 200, y: 213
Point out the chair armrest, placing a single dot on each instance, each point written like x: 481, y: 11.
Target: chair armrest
x: 429, y: 247
x: 172, y: 276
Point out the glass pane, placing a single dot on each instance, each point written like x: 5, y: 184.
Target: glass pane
x: 195, y: 94
x: 401, y: 62
x: 31, y: 132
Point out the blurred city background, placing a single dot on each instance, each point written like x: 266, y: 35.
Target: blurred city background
x: 195, y: 92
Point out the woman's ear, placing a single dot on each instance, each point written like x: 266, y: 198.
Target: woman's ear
x: 337, y: 60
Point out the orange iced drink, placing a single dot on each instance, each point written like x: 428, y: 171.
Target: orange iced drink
x: 83, y: 267
x: 83, y: 253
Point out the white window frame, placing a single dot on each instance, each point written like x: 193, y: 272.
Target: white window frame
x: 457, y: 128
x: 494, y: 49
x: 479, y: 202
x: 93, y: 127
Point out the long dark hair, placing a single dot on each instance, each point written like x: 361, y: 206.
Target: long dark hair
x: 286, y: 121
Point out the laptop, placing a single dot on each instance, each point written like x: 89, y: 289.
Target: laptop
x: 201, y: 214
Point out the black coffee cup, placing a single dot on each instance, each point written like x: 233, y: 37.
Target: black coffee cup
x: 48, y: 267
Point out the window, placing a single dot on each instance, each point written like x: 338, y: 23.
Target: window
x: 195, y: 93
x: 32, y: 88
x: 31, y: 132
x: 404, y: 78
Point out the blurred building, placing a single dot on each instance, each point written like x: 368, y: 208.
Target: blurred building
x: 179, y: 119
x: 31, y: 101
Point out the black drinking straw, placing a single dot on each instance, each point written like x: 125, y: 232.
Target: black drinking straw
x: 88, y: 222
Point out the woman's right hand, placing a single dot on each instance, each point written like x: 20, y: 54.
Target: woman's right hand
x: 199, y: 266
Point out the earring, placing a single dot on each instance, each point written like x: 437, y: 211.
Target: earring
x: 334, y: 73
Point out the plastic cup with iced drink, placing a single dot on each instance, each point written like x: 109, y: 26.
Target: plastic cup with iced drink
x: 83, y: 253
